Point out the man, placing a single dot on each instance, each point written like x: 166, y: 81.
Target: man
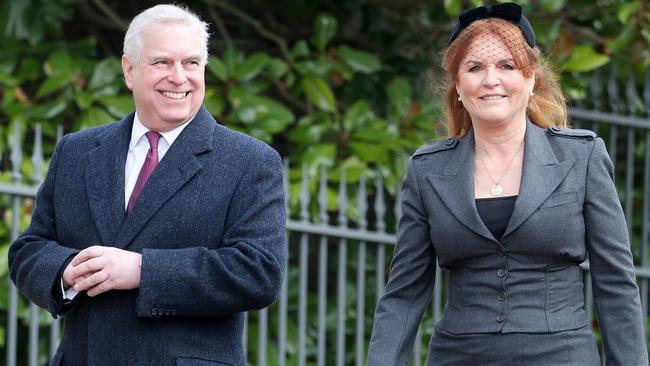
x: 154, y: 234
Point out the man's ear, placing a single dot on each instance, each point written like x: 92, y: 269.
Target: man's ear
x: 127, y: 70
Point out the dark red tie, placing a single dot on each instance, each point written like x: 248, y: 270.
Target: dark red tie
x: 147, y: 169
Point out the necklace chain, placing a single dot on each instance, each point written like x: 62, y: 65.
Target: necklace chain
x: 496, y: 189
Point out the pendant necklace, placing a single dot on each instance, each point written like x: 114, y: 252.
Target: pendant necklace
x: 497, y: 189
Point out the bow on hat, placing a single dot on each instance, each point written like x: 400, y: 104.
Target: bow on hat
x: 506, y: 11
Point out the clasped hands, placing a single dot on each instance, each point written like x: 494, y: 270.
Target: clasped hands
x: 99, y: 269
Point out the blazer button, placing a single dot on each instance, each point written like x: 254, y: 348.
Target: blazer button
x: 501, y: 318
x: 449, y: 141
x: 501, y: 295
x: 501, y: 273
x: 501, y: 253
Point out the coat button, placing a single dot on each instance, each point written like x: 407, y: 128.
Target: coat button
x: 501, y: 253
x: 449, y: 141
x: 501, y: 295
x: 501, y: 318
x: 501, y: 273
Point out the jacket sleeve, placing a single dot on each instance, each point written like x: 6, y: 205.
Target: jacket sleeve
x: 36, y: 259
x: 244, y: 273
x: 616, y: 294
x: 410, y: 283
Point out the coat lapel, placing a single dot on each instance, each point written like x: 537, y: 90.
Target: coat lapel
x: 105, y: 179
x: 455, y: 187
x: 175, y: 169
x: 542, y: 174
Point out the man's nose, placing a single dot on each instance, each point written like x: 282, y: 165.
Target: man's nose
x: 177, y: 74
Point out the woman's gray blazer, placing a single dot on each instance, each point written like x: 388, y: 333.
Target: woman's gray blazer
x: 529, y: 280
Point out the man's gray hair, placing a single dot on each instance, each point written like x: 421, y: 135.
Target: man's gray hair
x: 157, y: 15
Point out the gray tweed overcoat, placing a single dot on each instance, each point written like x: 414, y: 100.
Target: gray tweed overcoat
x: 209, y: 224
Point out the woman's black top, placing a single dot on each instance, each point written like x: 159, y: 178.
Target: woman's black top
x: 495, y: 213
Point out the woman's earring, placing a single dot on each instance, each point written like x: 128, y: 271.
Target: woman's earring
x: 532, y: 93
x: 460, y: 99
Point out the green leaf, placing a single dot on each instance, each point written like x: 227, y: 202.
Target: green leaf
x: 360, y: 61
x: 319, y: 93
x: 59, y: 63
x: 357, y: 115
x: 53, y: 83
x: 377, y: 136
x: 453, y: 7
x: 584, y: 58
x: 552, y: 6
x: 47, y: 111
x: 94, y: 116
x: 368, y: 152
x: 645, y: 33
x: 29, y: 69
x: 324, y: 29
x: 232, y: 57
x: 625, y: 11
x: 217, y: 68
x: 308, y: 134
x: 623, y: 39
x: 214, y: 102
x: 277, y: 68
x: 106, y: 71
x: 259, y: 111
x: 83, y: 99
x: 343, y: 69
x: 399, y: 97
x: 301, y: 48
x: 118, y: 105
x: 317, y: 155
x: 319, y: 67
x: 252, y: 66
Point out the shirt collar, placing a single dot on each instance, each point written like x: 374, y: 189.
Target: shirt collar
x: 138, y: 130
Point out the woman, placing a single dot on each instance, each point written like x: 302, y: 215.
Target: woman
x: 510, y: 205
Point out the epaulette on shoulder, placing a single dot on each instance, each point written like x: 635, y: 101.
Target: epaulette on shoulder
x: 573, y: 133
x: 441, y: 145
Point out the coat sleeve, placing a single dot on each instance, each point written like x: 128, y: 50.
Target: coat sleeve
x: 616, y: 294
x: 410, y: 283
x: 244, y: 273
x: 36, y: 259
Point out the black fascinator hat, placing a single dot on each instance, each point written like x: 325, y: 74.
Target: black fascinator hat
x: 507, y: 11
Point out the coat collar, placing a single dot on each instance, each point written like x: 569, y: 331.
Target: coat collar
x: 542, y: 173
x: 105, y: 177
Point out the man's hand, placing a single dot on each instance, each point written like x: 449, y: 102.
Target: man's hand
x: 99, y: 269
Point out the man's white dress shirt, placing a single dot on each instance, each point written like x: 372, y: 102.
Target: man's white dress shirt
x: 138, y: 148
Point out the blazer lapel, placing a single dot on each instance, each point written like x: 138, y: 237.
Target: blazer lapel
x: 542, y: 173
x: 177, y: 167
x: 455, y: 187
x: 105, y: 179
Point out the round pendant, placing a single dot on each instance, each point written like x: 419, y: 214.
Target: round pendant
x: 496, y: 190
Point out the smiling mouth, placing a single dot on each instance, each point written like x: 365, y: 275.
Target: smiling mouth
x: 492, y: 97
x: 173, y: 95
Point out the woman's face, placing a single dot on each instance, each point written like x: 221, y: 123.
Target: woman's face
x: 492, y: 88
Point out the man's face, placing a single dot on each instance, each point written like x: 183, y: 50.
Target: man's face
x: 168, y: 81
